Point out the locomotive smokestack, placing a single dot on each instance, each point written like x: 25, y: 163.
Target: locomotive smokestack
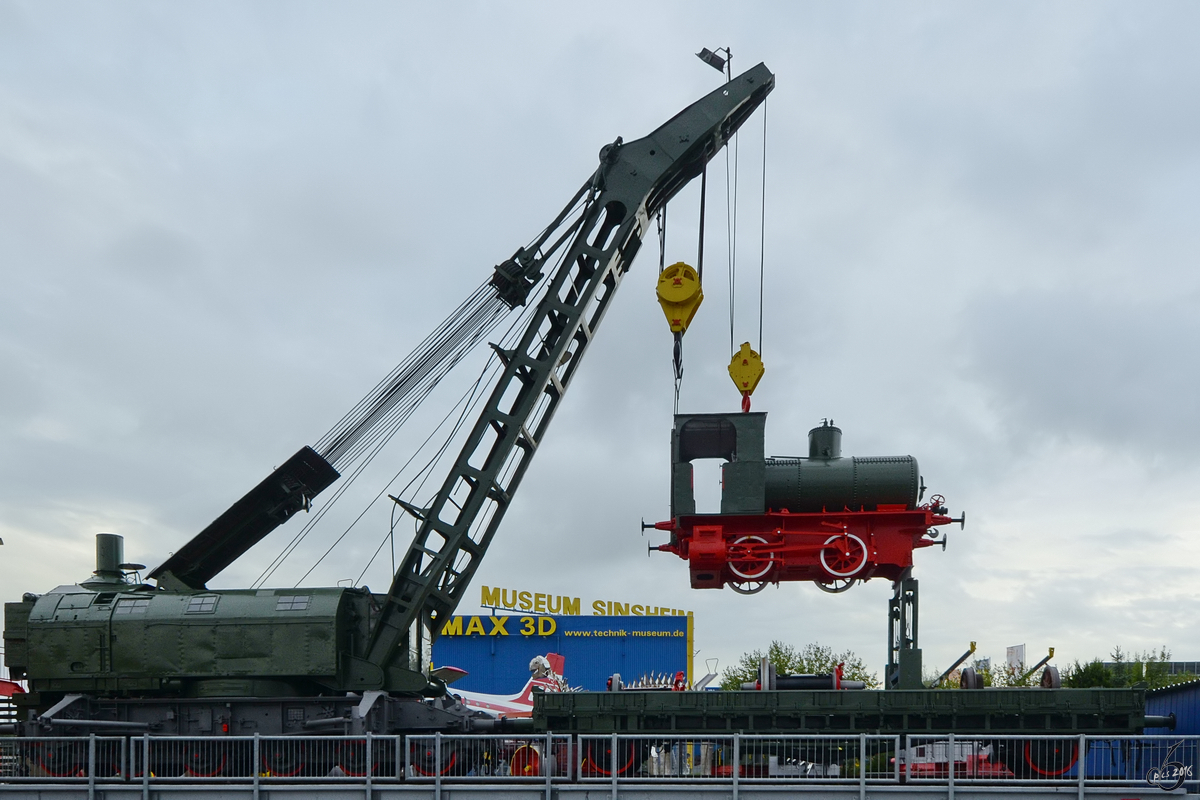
x: 825, y: 441
x: 110, y: 554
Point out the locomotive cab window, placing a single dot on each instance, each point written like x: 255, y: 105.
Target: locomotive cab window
x: 288, y: 602
x: 202, y: 605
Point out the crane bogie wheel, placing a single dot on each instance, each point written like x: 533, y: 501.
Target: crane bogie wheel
x: 844, y: 555
x: 749, y: 568
x: 748, y: 587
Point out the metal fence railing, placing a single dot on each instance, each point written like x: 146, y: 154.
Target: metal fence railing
x: 764, y: 758
x: 273, y: 758
x: 1166, y: 762
x: 64, y: 758
x: 498, y: 756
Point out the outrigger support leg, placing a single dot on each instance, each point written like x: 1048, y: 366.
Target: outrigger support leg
x: 904, y: 656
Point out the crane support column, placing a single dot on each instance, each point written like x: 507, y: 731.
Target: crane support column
x: 904, y: 656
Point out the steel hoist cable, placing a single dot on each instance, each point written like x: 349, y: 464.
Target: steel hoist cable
x: 376, y: 415
x: 386, y: 427
x: 662, y: 239
x: 731, y: 194
x: 731, y: 187
x: 762, y: 233
x: 362, y: 433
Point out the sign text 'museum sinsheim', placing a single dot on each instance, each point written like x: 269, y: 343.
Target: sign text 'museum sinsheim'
x: 541, y: 603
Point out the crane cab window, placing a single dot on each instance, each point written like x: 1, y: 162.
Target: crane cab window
x: 202, y: 605
x: 289, y: 602
x: 132, y: 605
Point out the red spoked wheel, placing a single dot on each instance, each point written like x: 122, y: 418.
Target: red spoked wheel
x: 1052, y: 758
x: 844, y: 555
x: 202, y: 761
x: 60, y: 759
x: 351, y: 757
x: 599, y: 758
x: 282, y: 758
x: 746, y: 564
x: 425, y: 760
x: 526, y: 762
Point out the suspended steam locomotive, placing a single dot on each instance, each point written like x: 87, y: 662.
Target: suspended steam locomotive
x: 826, y: 519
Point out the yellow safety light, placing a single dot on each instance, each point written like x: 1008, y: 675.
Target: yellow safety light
x: 680, y: 295
x: 746, y: 369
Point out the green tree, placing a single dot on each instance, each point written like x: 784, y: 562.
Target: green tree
x: 1090, y: 675
x: 812, y: 659
x: 1148, y: 668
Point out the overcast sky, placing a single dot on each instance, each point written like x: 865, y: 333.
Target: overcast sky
x: 222, y: 223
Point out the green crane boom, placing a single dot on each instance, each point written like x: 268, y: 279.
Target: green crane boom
x: 634, y: 180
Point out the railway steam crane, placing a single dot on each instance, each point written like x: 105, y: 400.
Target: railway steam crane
x: 116, y: 657
x: 111, y: 654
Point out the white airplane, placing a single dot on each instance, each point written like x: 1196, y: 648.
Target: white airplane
x: 545, y: 672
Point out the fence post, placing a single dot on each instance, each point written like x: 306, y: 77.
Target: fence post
x: 257, y: 765
x: 612, y: 765
x: 91, y: 769
x: 437, y: 766
x: 950, y: 762
x: 737, y: 762
x: 145, y: 766
x: 547, y: 754
x: 1081, y: 760
x: 862, y: 766
x: 370, y: 765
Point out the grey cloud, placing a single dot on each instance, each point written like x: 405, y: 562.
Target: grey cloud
x: 1063, y: 363
x: 223, y: 223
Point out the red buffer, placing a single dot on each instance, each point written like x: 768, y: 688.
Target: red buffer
x: 826, y: 519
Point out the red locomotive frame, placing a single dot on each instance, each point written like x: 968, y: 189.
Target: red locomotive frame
x: 831, y: 548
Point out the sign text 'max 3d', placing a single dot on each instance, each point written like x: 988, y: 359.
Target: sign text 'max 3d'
x: 495, y: 651
x: 546, y: 603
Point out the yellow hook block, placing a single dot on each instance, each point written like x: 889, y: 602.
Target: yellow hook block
x: 680, y: 295
x: 746, y: 369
